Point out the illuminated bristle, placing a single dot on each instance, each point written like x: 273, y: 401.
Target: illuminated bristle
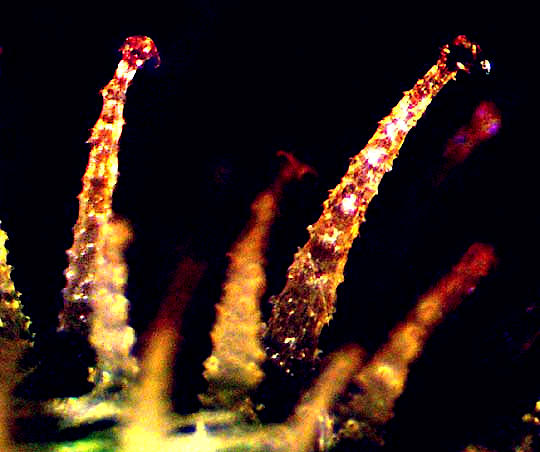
x: 307, y: 302
x: 138, y: 401
x: 14, y: 324
x: 236, y: 336
x: 99, y: 180
x: 484, y: 124
x: 383, y: 379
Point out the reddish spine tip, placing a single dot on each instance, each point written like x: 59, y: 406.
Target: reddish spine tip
x: 462, y: 54
x: 294, y: 168
x: 136, y: 50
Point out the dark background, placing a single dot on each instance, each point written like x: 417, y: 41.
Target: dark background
x: 241, y: 80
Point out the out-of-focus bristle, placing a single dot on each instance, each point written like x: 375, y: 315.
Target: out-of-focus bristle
x: 383, y: 379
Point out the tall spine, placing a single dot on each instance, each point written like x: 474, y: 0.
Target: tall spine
x: 307, y: 302
x: 14, y: 324
x: 95, y: 199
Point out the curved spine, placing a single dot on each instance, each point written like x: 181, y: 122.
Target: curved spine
x: 307, y: 302
x: 99, y: 180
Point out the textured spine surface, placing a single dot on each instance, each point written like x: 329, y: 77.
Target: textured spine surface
x: 99, y: 181
x: 307, y: 302
x: 14, y: 324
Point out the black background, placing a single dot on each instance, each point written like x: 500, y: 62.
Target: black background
x: 241, y: 80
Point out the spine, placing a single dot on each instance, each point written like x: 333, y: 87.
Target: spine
x: 307, y: 302
x: 233, y: 368
x: 383, y: 379
x: 99, y: 181
x: 14, y: 324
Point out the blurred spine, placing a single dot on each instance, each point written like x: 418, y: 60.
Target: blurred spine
x: 233, y: 368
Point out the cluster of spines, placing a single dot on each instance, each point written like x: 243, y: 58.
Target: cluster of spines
x: 94, y: 303
x: 97, y: 275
